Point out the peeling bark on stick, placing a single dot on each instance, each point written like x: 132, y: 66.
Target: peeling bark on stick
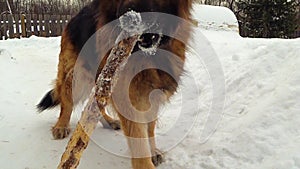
x: 100, y: 97
x: 81, y: 136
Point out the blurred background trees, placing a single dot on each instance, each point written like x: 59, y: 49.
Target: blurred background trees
x: 268, y: 18
x: 264, y: 18
x: 43, y: 6
x: 257, y: 18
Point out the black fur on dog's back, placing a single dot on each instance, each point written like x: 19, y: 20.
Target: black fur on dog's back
x: 82, y: 27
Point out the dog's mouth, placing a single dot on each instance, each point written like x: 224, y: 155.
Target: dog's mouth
x: 149, y: 42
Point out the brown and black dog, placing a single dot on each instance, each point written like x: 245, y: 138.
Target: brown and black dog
x: 81, y: 27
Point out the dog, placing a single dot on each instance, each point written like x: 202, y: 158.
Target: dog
x: 78, y: 31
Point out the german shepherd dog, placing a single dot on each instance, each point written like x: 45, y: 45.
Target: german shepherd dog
x: 77, y: 32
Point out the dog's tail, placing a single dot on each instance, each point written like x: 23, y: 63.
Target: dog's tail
x: 50, y: 100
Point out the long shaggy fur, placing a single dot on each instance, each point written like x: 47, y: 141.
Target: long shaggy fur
x: 81, y: 27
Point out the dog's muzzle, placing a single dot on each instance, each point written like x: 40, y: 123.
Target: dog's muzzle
x: 135, y: 22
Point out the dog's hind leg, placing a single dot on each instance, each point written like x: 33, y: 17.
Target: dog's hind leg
x: 61, y: 128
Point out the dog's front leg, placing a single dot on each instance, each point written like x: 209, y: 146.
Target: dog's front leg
x: 138, y: 141
x: 157, y: 155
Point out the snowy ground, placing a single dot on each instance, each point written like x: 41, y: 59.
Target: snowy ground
x: 259, y: 129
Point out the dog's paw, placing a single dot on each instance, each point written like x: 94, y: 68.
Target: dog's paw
x: 158, y: 158
x: 114, y: 124
x: 60, y: 132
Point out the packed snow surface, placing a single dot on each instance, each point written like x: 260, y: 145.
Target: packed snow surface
x: 259, y: 128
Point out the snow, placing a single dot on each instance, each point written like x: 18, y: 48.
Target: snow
x: 215, y: 17
x: 259, y: 128
x: 132, y: 22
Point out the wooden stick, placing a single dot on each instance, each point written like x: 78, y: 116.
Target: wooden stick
x: 100, y: 97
